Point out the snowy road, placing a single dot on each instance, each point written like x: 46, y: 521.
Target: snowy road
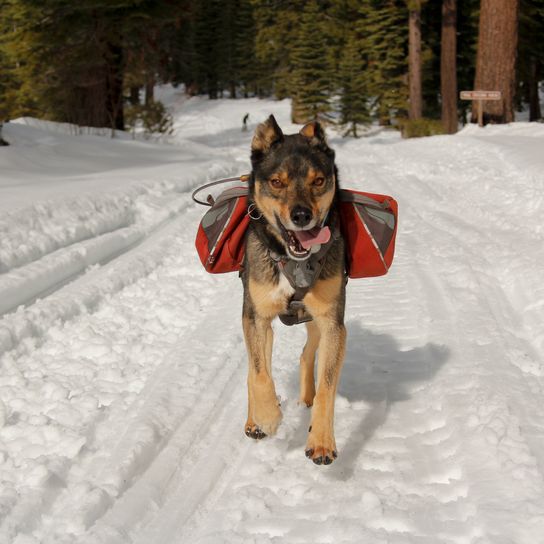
x: 122, y: 390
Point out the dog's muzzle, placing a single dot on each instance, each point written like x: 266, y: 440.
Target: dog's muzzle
x: 302, y: 243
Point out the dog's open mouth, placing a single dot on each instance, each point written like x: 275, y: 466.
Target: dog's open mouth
x: 300, y: 242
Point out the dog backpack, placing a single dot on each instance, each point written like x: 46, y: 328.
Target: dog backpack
x: 221, y: 236
x: 368, y: 223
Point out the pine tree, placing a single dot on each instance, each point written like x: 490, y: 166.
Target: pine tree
x: 208, y: 48
x: 249, y: 68
x: 342, y: 19
x: 227, y: 55
x: 153, y: 40
x: 236, y: 46
x: 68, y: 60
x: 276, y: 29
x: 182, y: 56
x: 353, y: 81
x: 71, y: 58
x: 7, y: 82
x: 386, y: 45
x: 310, y: 80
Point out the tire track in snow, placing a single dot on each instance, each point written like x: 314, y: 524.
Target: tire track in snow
x: 171, y: 431
x: 107, y: 318
x: 272, y: 478
x: 489, y: 393
x: 486, y: 394
x: 82, y: 287
x: 24, y: 285
x: 71, y: 276
x: 85, y: 292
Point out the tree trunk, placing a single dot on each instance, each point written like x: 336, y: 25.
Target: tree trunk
x: 535, y: 112
x: 496, y: 59
x: 448, y: 66
x: 298, y: 112
x: 115, y: 77
x: 2, y: 141
x: 150, y: 91
x: 414, y: 60
x: 134, y: 96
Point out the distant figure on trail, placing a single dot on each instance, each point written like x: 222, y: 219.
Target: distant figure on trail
x: 244, y: 127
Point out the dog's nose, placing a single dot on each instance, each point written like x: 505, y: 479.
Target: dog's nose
x: 301, y: 216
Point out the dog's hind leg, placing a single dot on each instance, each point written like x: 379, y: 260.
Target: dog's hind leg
x: 307, y: 363
x: 264, y: 414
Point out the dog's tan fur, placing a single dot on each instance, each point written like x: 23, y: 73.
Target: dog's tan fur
x: 267, y: 294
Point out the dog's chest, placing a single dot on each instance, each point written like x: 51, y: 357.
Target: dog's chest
x: 283, y: 291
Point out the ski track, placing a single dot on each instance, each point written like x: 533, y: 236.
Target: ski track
x: 23, y: 285
x: 439, y: 419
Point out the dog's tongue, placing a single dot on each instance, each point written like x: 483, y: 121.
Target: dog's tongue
x: 309, y: 238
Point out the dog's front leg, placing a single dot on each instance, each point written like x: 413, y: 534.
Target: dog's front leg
x: 326, y: 302
x: 264, y: 414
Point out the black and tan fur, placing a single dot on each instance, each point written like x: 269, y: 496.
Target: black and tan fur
x: 288, y: 172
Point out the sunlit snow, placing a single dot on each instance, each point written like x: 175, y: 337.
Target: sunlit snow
x: 122, y: 363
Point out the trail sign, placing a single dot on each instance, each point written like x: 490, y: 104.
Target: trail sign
x: 480, y: 96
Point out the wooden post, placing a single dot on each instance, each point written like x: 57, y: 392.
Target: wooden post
x: 480, y: 113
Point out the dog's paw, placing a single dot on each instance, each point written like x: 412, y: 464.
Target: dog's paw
x: 254, y: 432
x: 321, y: 452
x: 268, y: 420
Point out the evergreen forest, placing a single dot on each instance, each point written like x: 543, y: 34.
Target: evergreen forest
x: 349, y: 62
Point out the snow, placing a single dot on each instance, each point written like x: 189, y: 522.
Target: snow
x: 122, y: 363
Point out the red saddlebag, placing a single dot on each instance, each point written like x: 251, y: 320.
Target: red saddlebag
x: 368, y: 224
x: 221, y: 237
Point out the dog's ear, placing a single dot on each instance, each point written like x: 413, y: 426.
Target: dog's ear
x: 314, y: 132
x: 316, y: 136
x: 266, y: 135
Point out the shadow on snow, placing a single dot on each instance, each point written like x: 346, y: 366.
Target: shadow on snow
x: 379, y: 373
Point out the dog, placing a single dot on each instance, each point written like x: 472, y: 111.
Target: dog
x: 294, y: 203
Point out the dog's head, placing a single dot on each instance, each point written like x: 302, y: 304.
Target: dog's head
x: 293, y: 184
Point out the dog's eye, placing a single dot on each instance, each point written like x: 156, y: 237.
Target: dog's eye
x: 318, y: 182
x: 276, y: 183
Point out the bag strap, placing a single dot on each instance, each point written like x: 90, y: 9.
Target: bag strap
x: 210, y: 201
